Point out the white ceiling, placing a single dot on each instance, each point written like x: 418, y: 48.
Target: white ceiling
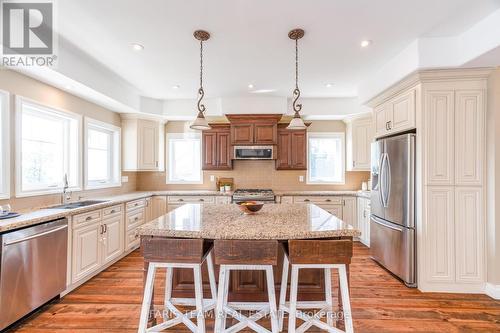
x: 249, y: 41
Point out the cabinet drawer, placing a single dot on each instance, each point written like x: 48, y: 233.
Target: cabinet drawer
x: 112, y: 210
x: 286, y: 200
x: 136, y: 204
x: 132, y: 240
x: 135, y: 219
x: 86, y: 218
x: 329, y: 200
x: 191, y: 199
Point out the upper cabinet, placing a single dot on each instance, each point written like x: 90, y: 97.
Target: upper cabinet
x: 359, y: 138
x: 143, y: 145
x: 395, y: 115
x: 256, y: 129
x: 292, y: 149
x: 216, y: 150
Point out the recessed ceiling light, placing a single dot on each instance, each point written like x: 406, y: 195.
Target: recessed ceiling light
x: 176, y: 86
x: 365, y: 43
x: 250, y: 86
x: 137, y: 47
x: 263, y: 91
x: 329, y: 85
x: 68, y: 87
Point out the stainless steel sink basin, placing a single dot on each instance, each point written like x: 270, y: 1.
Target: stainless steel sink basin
x: 78, y: 204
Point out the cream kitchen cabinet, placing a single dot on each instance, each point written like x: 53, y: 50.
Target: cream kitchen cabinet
x: 97, y: 239
x: 135, y: 216
x: 364, y: 220
x: 359, y: 136
x: 398, y: 114
x: 345, y: 208
x: 349, y: 211
x: 143, y: 145
x: 175, y: 201
x: 158, y: 207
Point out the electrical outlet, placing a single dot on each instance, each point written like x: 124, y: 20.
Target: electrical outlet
x: 301, y: 179
x: 124, y: 179
x: 212, y: 178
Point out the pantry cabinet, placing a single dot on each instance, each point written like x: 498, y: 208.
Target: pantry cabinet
x: 292, y: 149
x: 359, y: 133
x: 398, y: 114
x: 216, y: 151
x: 143, y: 145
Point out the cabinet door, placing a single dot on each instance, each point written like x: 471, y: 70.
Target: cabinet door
x: 439, y: 233
x: 380, y: 120
x: 148, y: 142
x: 361, y: 145
x: 298, y: 150
x: 224, y: 150
x: 242, y: 134
x: 112, y: 239
x: 209, y: 150
x: 86, y: 250
x: 159, y: 206
x: 402, y: 112
x: 284, y: 157
x: 265, y: 133
x: 335, y: 210
x: 349, y: 215
x: 469, y: 137
x: 469, y: 234
x: 366, y: 228
x: 439, y: 138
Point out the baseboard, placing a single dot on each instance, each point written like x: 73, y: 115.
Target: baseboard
x: 464, y: 288
x: 492, y: 290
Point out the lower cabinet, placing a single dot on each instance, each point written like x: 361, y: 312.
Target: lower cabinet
x: 364, y: 220
x: 136, y: 214
x: 158, y: 207
x: 176, y: 201
x: 97, y: 239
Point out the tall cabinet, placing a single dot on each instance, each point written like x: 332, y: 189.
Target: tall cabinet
x: 450, y: 114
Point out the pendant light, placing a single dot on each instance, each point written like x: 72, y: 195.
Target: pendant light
x: 201, y: 123
x: 297, y: 123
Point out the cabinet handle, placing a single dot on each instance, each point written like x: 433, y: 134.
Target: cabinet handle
x: 353, y: 164
x: 156, y: 163
x: 136, y: 219
x: 101, y: 231
x: 306, y: 200
x: 390, y: 124
x: 202, y: 199
x: 112, y: 211
x: 328, y: 200
x: 181, y: 199
x: 105, y: 228
x: 387, y: 125
x: 364, y: 214
x: 88, y: 218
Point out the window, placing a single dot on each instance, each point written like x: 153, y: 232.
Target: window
x: 184, y: 158
x: 4, y: 146
x: 49, y: 143
x: 325, y: 161
x: 102, y: 155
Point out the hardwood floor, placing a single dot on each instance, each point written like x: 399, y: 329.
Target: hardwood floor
x: 110, y: 302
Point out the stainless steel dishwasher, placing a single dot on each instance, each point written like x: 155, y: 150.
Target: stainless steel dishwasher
x: 32, y: 269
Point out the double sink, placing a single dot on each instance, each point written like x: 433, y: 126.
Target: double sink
x: 78, y: 204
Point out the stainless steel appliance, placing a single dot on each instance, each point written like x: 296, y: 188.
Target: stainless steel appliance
x: 254, y: 153
x: 32, y: 269
x: 253, y: 195
x: 392, y: 223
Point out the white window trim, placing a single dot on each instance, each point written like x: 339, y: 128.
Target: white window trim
x: 116, y: 153
x: 5, y: 142
x: 20, y: 100
x: 340, y: 135
x: 186, y: 135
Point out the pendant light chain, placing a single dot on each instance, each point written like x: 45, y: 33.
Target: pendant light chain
x: 201, y: 64
x: 297, y: 64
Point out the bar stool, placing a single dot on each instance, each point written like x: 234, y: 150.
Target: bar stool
x: 323, y: 254
x: 172, y: 253
x: 245, y: 255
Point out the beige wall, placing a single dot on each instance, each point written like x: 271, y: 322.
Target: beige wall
x: 254, y: 174
x: 493, y: 187
x: 21, y: 85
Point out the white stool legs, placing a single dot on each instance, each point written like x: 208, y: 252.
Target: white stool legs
x: 201, y: 305
x: 326, y: 307
x: 261, y: 309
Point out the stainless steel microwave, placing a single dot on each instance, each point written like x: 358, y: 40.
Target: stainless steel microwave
x: 254, y: 153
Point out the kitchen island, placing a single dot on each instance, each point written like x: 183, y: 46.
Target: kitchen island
x: 275, y: 221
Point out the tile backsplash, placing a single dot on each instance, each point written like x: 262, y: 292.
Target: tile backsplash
x: 252, y: 174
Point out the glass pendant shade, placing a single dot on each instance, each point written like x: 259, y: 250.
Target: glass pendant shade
x: 296, y: 124
x: 200, y: 123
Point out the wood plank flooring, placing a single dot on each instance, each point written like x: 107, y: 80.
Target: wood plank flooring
x: 110, y: 302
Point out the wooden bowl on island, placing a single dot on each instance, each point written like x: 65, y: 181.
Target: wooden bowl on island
x: 250, y: 207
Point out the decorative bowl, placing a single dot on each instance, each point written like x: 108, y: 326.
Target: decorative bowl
x: 250, y: 207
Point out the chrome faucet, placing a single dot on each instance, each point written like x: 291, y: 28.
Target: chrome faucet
x: 66, y: 195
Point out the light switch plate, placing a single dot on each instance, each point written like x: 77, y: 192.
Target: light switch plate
x: 212, y: 178
x: 124, y: 179
x: 301, y: 179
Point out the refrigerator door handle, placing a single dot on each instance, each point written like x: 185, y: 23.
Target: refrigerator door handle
x: 380, y: 179
x: 387, y: 190
x: 383, y: 181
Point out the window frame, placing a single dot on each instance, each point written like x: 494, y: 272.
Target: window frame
x: 53, y: 111
x: 186, y: 135
x: 115, y: 158
x: 5, y: 144
x: 338, y: 135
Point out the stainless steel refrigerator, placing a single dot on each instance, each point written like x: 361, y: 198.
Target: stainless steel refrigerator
x: 392, y: 221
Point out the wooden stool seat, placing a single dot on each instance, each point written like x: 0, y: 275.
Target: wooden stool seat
x: 177, y: 253
x: 323, y: 254
x: 245, y: 255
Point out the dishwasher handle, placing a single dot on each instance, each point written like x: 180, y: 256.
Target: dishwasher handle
x: 50, y: 231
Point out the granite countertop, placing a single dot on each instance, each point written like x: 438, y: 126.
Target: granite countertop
x: 274, y: 221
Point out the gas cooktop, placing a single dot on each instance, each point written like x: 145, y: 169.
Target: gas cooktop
x: 253, y: 195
